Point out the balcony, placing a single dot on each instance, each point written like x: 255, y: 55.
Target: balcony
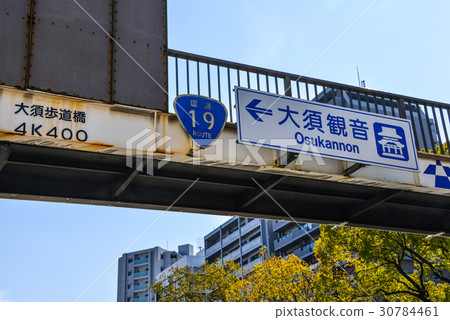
x: 233, y: 255
x: 249, y: 265
x: 140, y: 274
x: 304, y: 251
x: 140, y: 287
x: 252, y: 245
x: 230, y: 238
x: 140, y: 261
x: 286, y: 236
x: 279, y: 225
x: 295, y: 235
x: 215, y: 247
x: 249, y: 226
x: 143, y: 299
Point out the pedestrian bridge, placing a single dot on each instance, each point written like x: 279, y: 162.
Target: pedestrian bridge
x: 119, y: 155
x: 86, y: 117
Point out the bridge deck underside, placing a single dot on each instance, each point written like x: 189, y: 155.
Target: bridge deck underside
x: 48, y: 174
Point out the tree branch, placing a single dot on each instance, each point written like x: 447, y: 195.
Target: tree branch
x: 436, y: 273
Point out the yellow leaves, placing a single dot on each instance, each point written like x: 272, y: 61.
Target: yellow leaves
x: 444, y: 150
x: 278, y: 279
x: 354, y: 265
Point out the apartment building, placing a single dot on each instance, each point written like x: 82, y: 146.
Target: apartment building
x: 139, y: 269
x: 293, y: 238
x: 192, y: 261
x: 239, y: 239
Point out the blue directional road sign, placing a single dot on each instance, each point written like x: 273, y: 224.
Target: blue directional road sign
x: 203, y: 118
x: 295, y: 125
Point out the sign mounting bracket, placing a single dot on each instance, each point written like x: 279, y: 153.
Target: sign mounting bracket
x: 353, y: 168
x: 285, y: 158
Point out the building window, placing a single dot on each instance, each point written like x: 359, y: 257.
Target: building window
x: 162, y: 256
x: 130, y: 260
x: 128, y: 299
x: 129, y: 286
x: 129, y: 273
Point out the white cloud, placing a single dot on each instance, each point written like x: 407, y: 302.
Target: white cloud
x: 3, y: 296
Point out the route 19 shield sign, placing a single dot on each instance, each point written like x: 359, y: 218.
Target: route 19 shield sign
x: 203, y: 118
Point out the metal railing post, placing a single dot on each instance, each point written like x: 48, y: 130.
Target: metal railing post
x: 287, y: 86
x: 401, y: 108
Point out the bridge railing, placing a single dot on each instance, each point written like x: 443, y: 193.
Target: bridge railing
x: 215, y: 78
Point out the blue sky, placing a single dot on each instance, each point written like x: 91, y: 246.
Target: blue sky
x: 53, y: 252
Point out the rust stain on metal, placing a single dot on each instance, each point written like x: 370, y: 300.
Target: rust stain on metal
x: 6, y: 136
x: 162, y: 149
x: 66, y: 144
x: 171, y: 116
x: 128, y: 110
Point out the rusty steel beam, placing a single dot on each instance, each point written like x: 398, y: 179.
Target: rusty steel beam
x: 31, y: 20
x: 5, y: 152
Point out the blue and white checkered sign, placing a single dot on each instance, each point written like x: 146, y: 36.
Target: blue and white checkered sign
x: 441, y: 174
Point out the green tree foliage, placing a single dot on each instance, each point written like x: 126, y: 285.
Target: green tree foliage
x: 275, y: 279
x: 278, y: 279
x: 375, y: 264
x: 354, y: 265
x: 212, y: 282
